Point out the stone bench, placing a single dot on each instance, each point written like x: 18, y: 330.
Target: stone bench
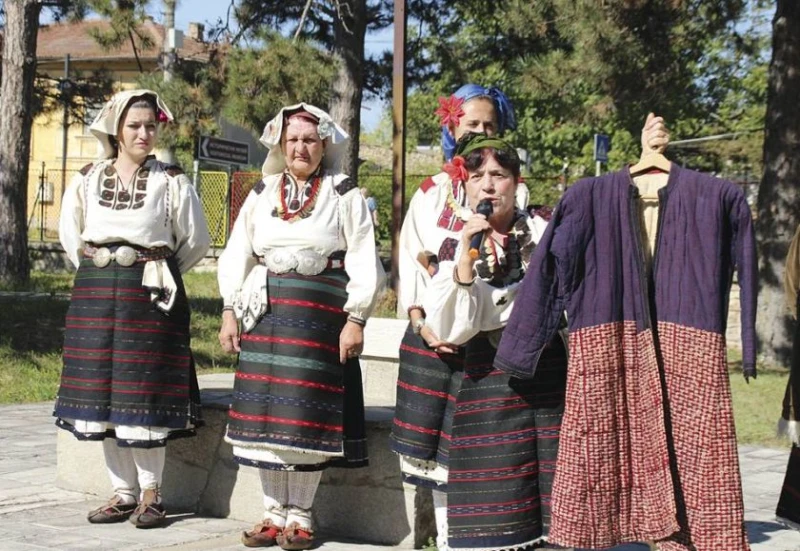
x: 370, y: 505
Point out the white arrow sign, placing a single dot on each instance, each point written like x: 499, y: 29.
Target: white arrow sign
x: 219, y: 150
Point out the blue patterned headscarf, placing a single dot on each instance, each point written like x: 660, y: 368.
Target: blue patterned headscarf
x: 502, y: 106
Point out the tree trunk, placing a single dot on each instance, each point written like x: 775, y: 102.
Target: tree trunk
x: 779, y: 194
x: 16, y: 119
x: 350, y: 27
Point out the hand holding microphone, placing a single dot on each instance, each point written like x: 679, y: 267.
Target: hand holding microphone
x: 485, y: 208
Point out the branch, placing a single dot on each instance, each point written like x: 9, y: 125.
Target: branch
x: 135, y: 52
x: 341, y: 17
x: 302, y: 20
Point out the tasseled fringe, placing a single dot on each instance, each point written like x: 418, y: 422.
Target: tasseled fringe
x: 518, y: 547
x: 789, y: 429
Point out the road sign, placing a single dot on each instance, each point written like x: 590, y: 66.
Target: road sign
x: 218, y: 150
x: 602, y: 145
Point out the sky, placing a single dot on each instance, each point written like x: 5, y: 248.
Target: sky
x: 202, y: 11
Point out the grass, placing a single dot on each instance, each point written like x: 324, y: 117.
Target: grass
x: 31, y: 335
x: 757, y: 405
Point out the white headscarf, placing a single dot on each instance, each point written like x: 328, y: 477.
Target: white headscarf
x: 106, y: 123
x: 333, y: 134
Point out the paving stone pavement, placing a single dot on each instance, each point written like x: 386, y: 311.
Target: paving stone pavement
x: 36, y: 515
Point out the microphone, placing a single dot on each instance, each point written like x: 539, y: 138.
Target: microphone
x: 485, y: 208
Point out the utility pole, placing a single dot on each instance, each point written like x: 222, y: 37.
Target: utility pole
x: 169, y: 39
x: 65, y: 87
x: 399, y: 95
x: 172, y: 41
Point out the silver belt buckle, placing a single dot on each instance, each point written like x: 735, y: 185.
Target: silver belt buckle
x: 125, y: 256
x: 102, y: 257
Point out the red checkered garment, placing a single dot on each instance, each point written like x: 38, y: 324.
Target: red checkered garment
x: 701, y: 415
x: 613, y: 483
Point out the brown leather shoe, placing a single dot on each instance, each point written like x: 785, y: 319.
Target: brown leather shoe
x: 113, y: 511
x: 149, y: 514
x: 263, y: 534
x: 295, y: 536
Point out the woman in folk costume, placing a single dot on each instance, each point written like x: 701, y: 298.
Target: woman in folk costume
x: 132, y: 225
x: 437, y: 212
x: 789, y: 503
x: 499, y: 435
x: 301, y: 273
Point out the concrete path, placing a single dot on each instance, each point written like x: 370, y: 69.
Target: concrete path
x: 30, y: 520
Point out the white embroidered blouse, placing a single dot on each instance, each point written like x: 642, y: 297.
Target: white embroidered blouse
x: 431, y: 218
x: 155, y: 209
x: 457, y: 312
x: 337, y: 222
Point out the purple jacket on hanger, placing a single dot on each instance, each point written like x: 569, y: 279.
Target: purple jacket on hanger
x: 648, y: 446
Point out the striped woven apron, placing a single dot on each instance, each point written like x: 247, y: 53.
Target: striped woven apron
x: 126, y: 362
x: 290, y: 391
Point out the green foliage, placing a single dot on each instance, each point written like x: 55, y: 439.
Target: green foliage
x: 379, y: 185
x: 194, y: 107
x: 573, y: 69
x: 381, y: 135
x: 423, y: 124
x: 378, y: 180
x: 125, y: 18
x: 319, y: 27
x: 260, y: 81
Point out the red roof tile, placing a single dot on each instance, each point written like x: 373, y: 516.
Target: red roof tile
x: 54, y: 41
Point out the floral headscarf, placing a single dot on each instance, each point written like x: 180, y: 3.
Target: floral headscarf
x: 506, y: 120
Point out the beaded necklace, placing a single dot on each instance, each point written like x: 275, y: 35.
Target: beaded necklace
x: 502, y: 271
x: 282, y: 210
x: 461, y: 212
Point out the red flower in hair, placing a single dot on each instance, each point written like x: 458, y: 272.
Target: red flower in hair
x: 162, y: 117
x: 450, y: 111
x: 456, y: 169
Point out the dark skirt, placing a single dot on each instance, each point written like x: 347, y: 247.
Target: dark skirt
x: 291, y: 392
x: 503, y: 451
x: 425, y: 385
x: 497, y: 434
x: 789, y: 502
x: 125, y: 361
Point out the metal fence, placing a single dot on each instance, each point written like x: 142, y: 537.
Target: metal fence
x: 212, y: 188
x: 241, y: 184
x: 45, y: 193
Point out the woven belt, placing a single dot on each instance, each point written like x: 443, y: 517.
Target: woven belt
x: 124, y: 255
